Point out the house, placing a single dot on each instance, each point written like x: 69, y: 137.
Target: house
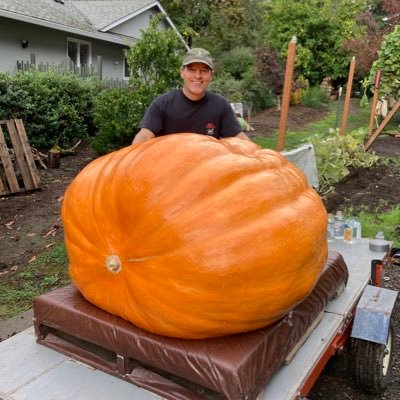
x: 88, y: 32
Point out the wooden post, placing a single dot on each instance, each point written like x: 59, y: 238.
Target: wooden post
x: 382, y: 125
x: 287, y: 88
x: 348, y: 95
x: 53, y: 158
x: 377, y: 84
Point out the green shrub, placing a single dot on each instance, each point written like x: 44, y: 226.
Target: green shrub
x: 226, y: 85
x: 256, y: 93
x: 117, y: 114
x: 389, y: 65
x: 56, y: 108
x: 237, y: 61
x: 314, y: 96
x: 337, y: 153
x: 250, y: 90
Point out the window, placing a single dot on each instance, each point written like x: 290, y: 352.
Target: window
x: 127, y: 72
x: 79, y: 51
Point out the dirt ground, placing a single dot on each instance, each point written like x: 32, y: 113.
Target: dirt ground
x: 30, y: 223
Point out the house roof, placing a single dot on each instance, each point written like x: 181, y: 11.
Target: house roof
x: 92, y: 18
x: 102, y: 13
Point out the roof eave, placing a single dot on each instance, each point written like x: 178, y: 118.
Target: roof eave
x: 140, y: 11
x: 106, y: 37
x: 128, y: 17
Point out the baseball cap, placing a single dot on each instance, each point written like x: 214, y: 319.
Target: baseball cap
x: 198, y: 55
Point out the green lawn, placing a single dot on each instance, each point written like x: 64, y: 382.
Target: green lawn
x: 357, y: 118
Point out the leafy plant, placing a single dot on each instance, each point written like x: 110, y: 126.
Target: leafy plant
x: 314, y: 96
x: 117, y: 113
x: 337, y: 153
x: 270, y: 69
x: 154, y: 61
x: 217, y: 25
x: 256, y: 93
x: 226, y: 85
x: 56, y: 107
x: 237, y: 61
x: 389, y: 64
x: 320, y: 28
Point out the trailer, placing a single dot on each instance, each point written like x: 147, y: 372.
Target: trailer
x: 29, y: 370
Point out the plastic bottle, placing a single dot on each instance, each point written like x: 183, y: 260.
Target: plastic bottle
x: 357, y: 230
x: 330, y: 234
x: 338, y: 225
x: 348, y: 231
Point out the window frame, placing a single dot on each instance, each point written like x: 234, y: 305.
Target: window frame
x: 126, y: 73
x: 79, y: 42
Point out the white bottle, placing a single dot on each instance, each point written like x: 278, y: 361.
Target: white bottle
x: 357, y: 230
x: 338, y: 225
x: 330, y: 234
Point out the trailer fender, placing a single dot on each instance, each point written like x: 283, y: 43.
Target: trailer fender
x: 373, y: 313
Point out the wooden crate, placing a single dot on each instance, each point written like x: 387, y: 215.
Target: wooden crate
x: 13, y: 139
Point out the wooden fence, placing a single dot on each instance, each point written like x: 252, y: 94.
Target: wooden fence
x: 69, y: 66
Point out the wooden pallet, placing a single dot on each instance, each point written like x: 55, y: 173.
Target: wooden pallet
x: 13, y: 136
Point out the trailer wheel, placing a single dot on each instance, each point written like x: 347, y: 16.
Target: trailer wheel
x: 372, y: 363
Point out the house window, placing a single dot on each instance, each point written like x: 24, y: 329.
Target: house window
x: 79, y: 51
x: 127, y: 72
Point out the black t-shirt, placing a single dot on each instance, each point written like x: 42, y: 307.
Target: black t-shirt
x: 173, y: 112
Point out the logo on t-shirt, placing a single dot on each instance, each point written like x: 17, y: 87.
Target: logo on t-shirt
x: 210, y: 129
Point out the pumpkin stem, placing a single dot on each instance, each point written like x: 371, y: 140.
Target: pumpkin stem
x: 113, y: 264
x: 138, y: 259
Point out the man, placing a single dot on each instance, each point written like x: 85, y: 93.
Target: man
x: 192, y: 108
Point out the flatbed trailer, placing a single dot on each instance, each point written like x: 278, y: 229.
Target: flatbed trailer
x: 31, y: 371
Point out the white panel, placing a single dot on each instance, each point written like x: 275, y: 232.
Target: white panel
x: 74, y: 381
x: 22, y: 359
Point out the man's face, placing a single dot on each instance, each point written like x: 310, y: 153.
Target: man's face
x: 196, y: 78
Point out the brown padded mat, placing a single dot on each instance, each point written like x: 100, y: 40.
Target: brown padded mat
x: 233, y: 367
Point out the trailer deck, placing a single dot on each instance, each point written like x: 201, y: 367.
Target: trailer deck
x: 31, y: 371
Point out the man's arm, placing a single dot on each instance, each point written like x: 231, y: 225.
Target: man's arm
x: 242, y: 135
x: 143, y: 136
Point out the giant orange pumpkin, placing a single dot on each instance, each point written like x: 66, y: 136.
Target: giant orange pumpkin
x: 191, y: 237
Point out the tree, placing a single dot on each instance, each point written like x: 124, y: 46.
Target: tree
x: 389, y: 65
x: 320, y: 27
x: 379, y: 19
x: 365, y: 48
x: 190, y: 16
x: 218, y: 26
x: 154, y: 61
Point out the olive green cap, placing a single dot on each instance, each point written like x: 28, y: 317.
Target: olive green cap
x: 198, y: 55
